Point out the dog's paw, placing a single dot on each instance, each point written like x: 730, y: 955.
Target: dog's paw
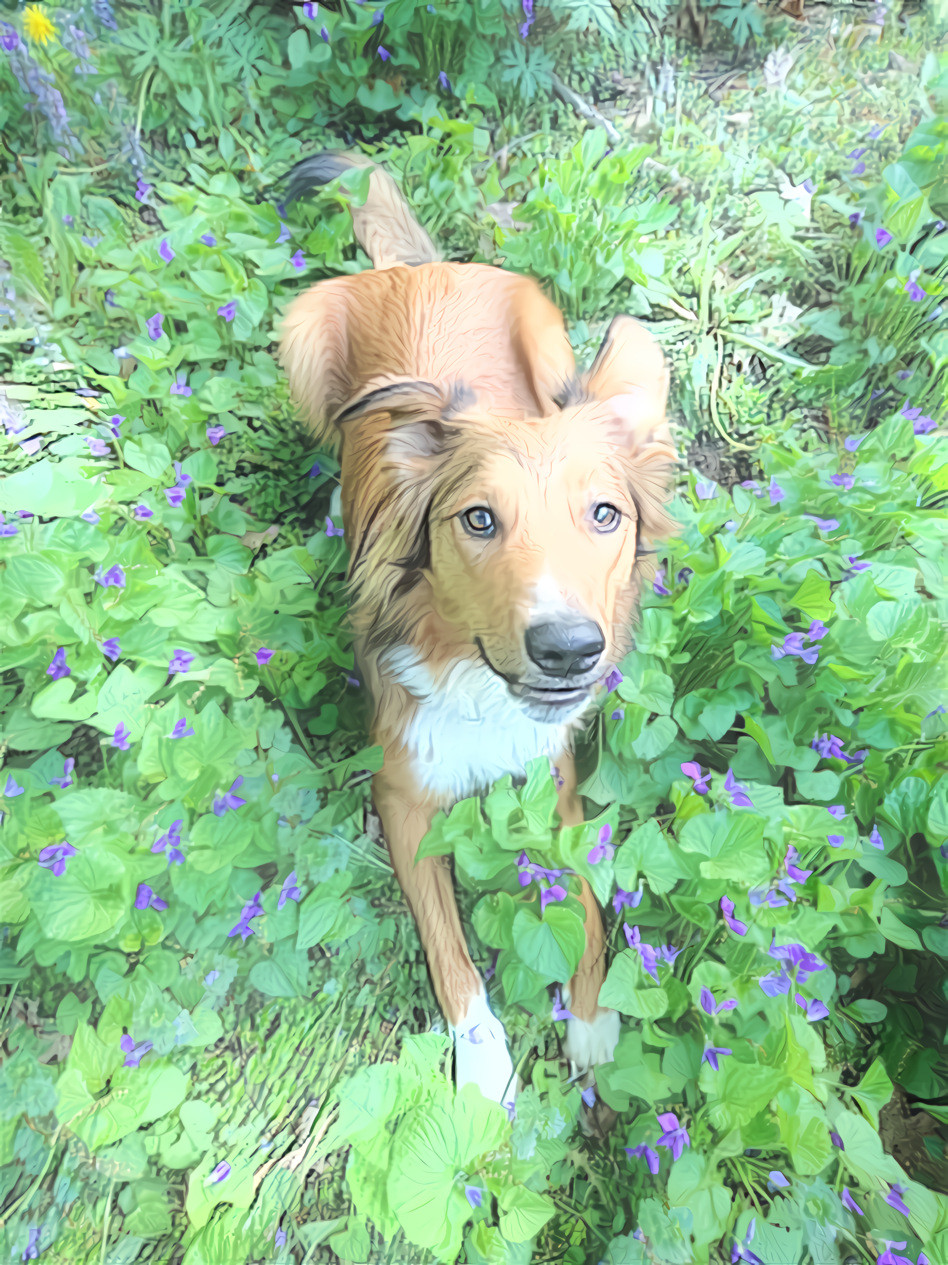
x: 482, y: 1055
x: 591, y: 1042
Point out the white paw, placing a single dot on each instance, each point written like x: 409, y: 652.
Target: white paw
x: 481, y: 1053
x: 591, y: 1042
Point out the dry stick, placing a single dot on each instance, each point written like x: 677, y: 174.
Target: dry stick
x: 582, y: 107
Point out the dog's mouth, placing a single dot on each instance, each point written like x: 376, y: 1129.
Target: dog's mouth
x: 555, y: 696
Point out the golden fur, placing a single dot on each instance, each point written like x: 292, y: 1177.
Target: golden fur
x: 445, y: 387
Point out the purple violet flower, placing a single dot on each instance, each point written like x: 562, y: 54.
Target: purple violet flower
x: 215, y: 434
x: 252, y: 909
x: 229, y: 800
x: 693, y: 770
x: 264, y: 656
x: 65, y: 780
x: 711, y: 1053
x: 181, y: 729
x: 120, y: 737
x: 289, y: 890
x: 559, y: 1010
x: 889, y: 1257
x: 894, y: 1199
x: 709, y: 1006
x: 623, y: 898
x: 604, y: 850
x: 228, y: 310
x: 112, y: 578
x: 180, y: 661
x: 54, y: 857
x: 644, y: 1152
x: 793, y: 645
x: 793, y: 870
x: 153, y: 325
x: 814, y: 1008
x: 145, y: 898
x: 739, y: 797
x: 848, y: 1201
x: 134, y: 1053
x: 612, y: 680
x: 727, y: 908
x: 58, y: 667
x: 675, y: 1135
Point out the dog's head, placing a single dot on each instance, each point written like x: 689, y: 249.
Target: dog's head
x: 519, y: 537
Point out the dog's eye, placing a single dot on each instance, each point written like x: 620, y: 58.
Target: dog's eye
x: 606, y: 516
x: 479, y: 521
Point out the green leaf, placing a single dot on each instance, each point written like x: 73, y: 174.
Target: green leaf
x: 552, y: 945
x: 865, y: 1010
x: 56, y: 702
x: 897, y: 932
x: 87, y: 899
x: 873, y: 1091
x: 53, y: 489
x: 431, y: 1145
x: 323, y: 912
x: 732, y: 842
x: 524, y: 1213
x: 629, y: 989
x: 147, y: 454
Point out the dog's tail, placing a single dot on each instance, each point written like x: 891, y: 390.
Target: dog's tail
x: 384, y: 227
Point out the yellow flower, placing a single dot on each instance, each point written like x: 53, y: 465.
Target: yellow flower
x: 37, y: 25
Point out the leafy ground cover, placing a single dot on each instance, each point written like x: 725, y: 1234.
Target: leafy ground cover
x: 219, y: 1043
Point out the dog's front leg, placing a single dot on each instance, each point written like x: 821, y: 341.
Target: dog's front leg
x: 481, y: 1053
x: 593, y: 1033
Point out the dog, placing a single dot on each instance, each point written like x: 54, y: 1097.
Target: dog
x: 496, y: 505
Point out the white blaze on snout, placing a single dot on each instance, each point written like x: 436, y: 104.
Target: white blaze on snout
x: 548, y: 604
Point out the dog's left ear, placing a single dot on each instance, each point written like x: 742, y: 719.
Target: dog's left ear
x: 630, y: 374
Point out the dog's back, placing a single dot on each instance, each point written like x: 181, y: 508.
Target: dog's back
x: 472, y: 325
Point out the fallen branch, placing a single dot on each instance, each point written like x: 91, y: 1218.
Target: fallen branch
x: 565, y: 93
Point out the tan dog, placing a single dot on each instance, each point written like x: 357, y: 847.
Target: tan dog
x: 494, y: 505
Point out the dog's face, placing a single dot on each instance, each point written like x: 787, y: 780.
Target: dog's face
x: 532, y: 544
x: 518, y: 535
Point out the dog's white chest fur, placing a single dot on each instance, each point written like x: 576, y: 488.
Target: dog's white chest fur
x: 467, y: 730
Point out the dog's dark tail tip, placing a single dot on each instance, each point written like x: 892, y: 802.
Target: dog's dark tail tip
x: 318, y: 170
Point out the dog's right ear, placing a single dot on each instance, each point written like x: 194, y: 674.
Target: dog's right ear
x: 416, y: 429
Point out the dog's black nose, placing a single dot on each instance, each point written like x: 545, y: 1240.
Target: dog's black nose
x: 565, y: 649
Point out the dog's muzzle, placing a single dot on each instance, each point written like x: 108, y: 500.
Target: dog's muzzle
x: 567, y: 654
